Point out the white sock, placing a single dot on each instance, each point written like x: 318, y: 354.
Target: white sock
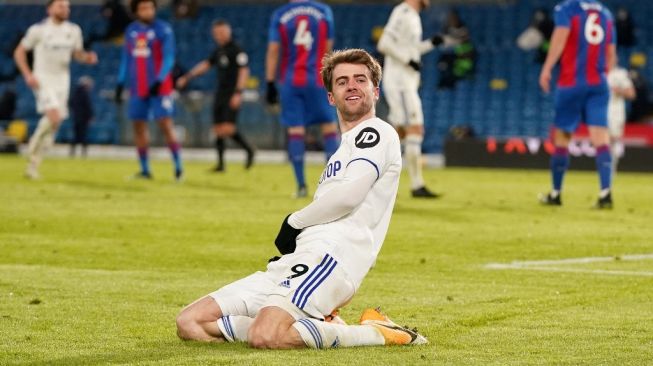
x: 319, y: 334
x: 234, y: 328
x: 39, y: 140
x: 616, y: 150
x: 413, y: 156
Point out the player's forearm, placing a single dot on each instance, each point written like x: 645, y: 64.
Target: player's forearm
x: 271, y: 62
x: 243, y: 75
x: 335, y: 203
x: 122, y: 70
x: 80, y: 56
x: 329, y: 46
x: 627, y: 93
x: 425, y: 46
x: 20, y: 56
x: 612, y: 56
x: 200, y: 69
x: 557, y: 45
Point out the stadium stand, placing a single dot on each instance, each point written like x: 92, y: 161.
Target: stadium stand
x: 501, y: 100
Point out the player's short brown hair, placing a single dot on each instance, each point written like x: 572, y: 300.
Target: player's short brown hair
x: 349, y: 56
x: 220, y: 22
x: 133, y: 4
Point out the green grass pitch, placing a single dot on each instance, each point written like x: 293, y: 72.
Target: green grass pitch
x: 94, y: 268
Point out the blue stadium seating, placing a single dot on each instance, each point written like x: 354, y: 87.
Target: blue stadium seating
x: 519, y: 110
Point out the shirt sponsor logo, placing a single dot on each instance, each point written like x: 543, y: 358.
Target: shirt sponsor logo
x: 141, y: 49
x: 330, y: 171
x: 368, y: 137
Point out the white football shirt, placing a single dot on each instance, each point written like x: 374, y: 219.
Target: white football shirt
x: 402, y: 42
x: 355, y: 239
x: 617, y: 78
x: 53, y: 46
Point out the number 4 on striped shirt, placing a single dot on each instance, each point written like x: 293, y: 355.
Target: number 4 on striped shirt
x: 303, y: 36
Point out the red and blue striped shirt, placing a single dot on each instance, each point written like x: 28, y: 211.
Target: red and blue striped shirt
x: 591, y: 30
x: 148, y: 56
x: 303, y: 29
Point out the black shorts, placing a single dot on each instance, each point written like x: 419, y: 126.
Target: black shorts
x: 223, y: 113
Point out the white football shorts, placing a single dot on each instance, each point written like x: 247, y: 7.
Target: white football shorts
x: 616, y: 127
x: 48, y: 98
x: 405, y: 107
x: 304, y: 284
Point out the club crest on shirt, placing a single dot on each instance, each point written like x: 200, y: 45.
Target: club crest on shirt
x: 140, y: 48
x: 368, y: 137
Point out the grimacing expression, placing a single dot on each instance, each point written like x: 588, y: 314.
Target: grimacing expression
x: 59, y: 9
x: 353, y: 92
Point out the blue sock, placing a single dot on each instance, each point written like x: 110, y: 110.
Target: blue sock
x: 604, y: 166
x: 143, y: 160
x: 330, y: 144
x: 296, y: 149
x: 175, y: 150
x: 559, y: 165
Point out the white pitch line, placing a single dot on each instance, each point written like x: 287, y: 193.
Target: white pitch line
x: 547, y: 265
x: 582, y: 260
x: 579, y: 270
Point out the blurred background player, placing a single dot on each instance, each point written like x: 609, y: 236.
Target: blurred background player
x: 403, y: 47
x: 621, y: 89
x: 147, y: 61
x: 82, y: 108
x: 584, y: 42
x: 54, y: 41
x: 301, y: 33
x: 233, y: 73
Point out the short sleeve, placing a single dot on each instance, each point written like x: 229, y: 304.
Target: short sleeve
x: 370, y: 145
x: 612, y: 39
x: 31, y: 38
x: 330, y: 24
x: 561, y: 16
x: 213, y: 57
x: 241, y: 57
x: 273, y: 31
x: 394, y: 25
x: 79, y: 41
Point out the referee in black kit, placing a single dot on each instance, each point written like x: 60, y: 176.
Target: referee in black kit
x: 231, y: 62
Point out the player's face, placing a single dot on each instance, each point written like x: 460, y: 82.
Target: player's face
x: 146, y: 11
x: 222, y: 34
x: 353, y: 93
x: 60, y: 10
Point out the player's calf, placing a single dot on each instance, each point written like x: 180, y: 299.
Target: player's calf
x: 188, y: 328
x: 272, y: 329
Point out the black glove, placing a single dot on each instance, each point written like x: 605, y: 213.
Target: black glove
x: 118, y: 95
x: 272, y: 97
x: 437, y: 40
x: 416, y: 65
x: 286, y: 239
x: 154, y: 89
